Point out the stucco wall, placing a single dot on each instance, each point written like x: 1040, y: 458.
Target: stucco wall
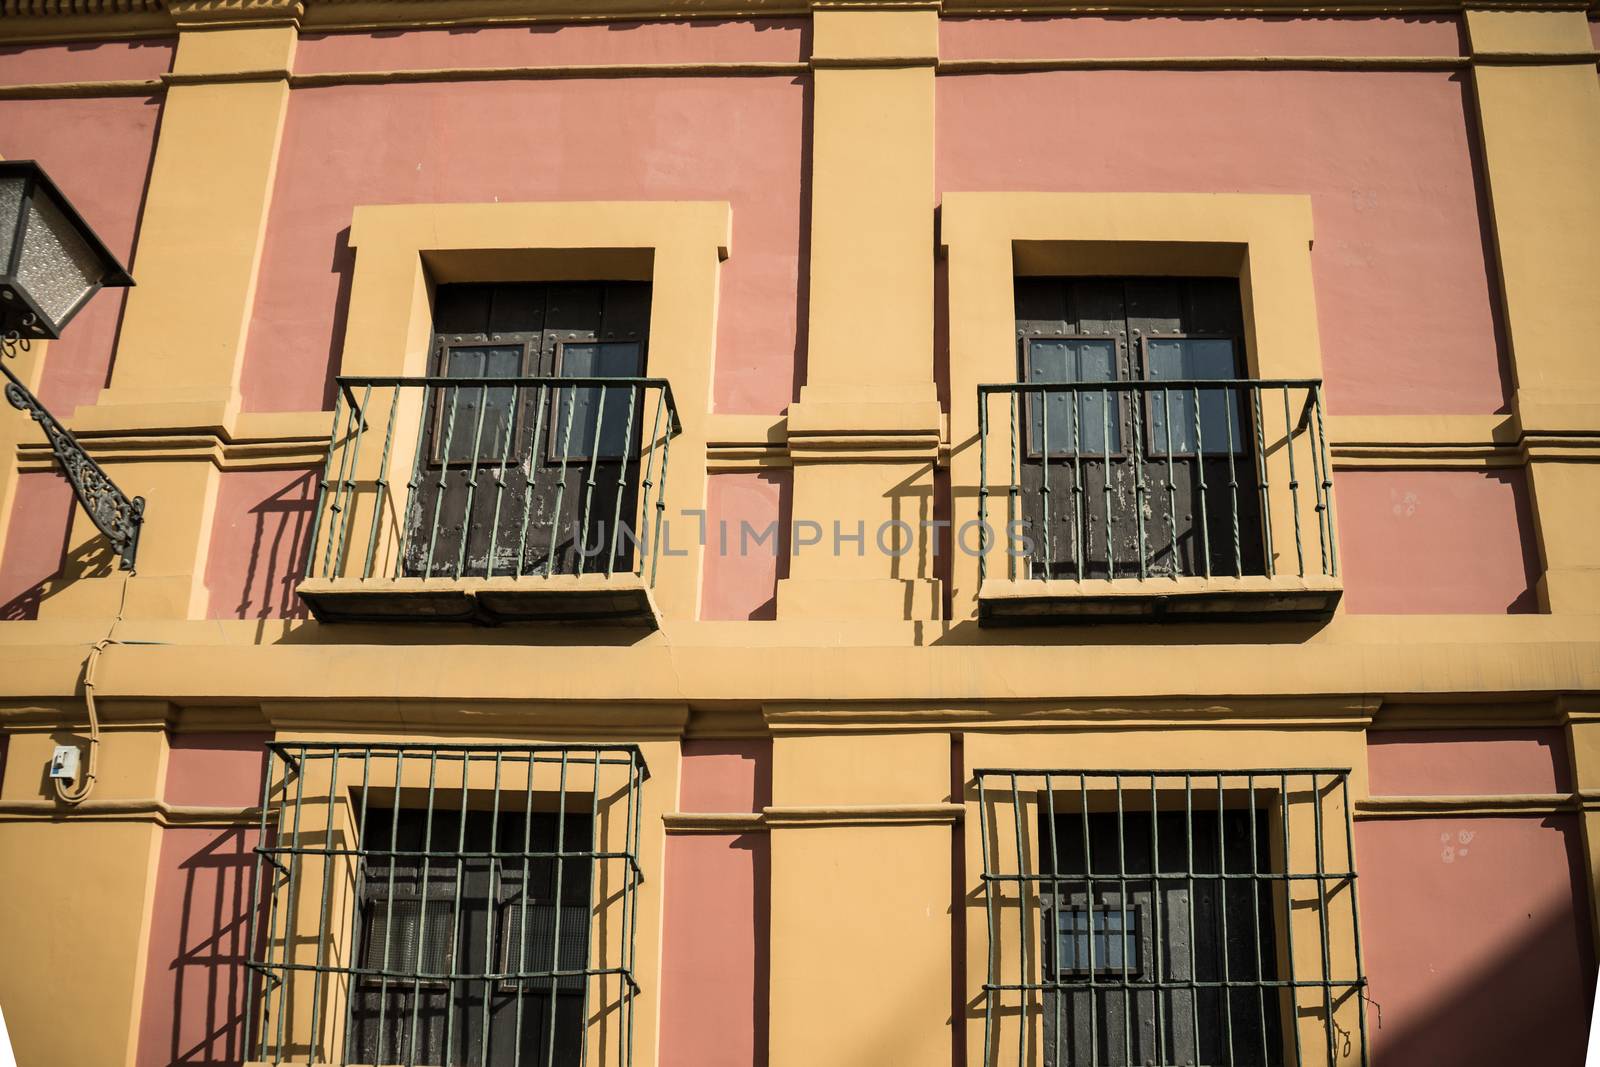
x: 682, y: 138
x: 1404, y: 304
x: 98, y: 152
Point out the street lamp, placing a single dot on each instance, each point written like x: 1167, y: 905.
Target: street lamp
x: 51, y: 264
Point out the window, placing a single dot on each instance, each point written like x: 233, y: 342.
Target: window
x: 446, y: 905
x: 1169, y: 917
x: 1181, y: 501
x: 533, y: 476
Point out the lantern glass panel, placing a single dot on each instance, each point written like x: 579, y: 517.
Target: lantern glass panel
x: 59, y: 269
x: 11, y: 189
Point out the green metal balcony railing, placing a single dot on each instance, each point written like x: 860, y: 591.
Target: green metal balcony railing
x: 446, y: 905
x: 1171, y: 478
x: 1181, y: 917
x: 520, y: 477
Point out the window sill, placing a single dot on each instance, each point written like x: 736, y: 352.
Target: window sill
x: 618, y: 600
x: 1251, y: 599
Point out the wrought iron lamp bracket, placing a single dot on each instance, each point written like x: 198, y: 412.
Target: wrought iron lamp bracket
x: 113, y: 513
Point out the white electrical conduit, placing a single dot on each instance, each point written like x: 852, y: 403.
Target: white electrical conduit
x: 79, y: 791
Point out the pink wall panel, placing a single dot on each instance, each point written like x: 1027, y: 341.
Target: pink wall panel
x: 36, y: 541
x: 222, y: 769
x: 98, y: 152
x: 1476, y: 938
x: 714, y: 951
x: 85, y: 61
x: 1402, y: 281
x: 195, y: 977
x: 734, y: 139
x: 1414, y: 542
x: 740, y: 576
x: 1467, y: 762
x: 1094, y: 35
x: 724, y: 776
x: 583, y: 44
x: 258, y: 543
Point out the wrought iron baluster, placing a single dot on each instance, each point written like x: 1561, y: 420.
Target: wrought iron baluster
x: 1080, y: 531
x: 661, y: 506
x: 1200, y: 479
x: 414, y: 510
x: 1105, y: 476
x: 1233, y: 483
x: 588, y: 482
x: 983, y: 477
x: 561, y: 481
x: 645, y: 484
x: 381, y: 485
x: 508, y: 445
x: 1136, y: 401
x: 472, y: 482
x: 622, y: 483
x: 1014, y: 489
x: 330, y: 560
x: 1048, y: 520
x: 1263, y: 484
x: 1172, y: 486
x: 359, y: 420
x: 1327, y: 494
x: 444, y: 476
x: 535, y: 449
x: 1294, y: 482
x: 322, y: 490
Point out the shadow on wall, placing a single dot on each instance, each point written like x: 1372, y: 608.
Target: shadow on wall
x: 258, y: 544
x: 96, y: 559
x: 207, y: 969
x: 1511, y: 1010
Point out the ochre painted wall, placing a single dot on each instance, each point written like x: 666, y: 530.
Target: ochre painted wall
x: 1417, y: 542
x: 1403, y: 289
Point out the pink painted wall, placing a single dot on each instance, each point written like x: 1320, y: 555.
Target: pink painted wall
x: 1476, y: 938
x: 98, y: 152
x: 726, y: 775
x: 739, y: 578
x: 1468, y: 762
x: 1414, y: 542
x: 258, y: 543
x: 543, y: 44
x: 36, y: 542
x: 1095, y: 35
x: 690, y: 138
x: 85, y: 61
x: 714, y: 951
x: 1404, y: 300
x: 195, y: 977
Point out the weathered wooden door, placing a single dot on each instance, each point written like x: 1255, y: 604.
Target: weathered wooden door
x: 510, y: 478
x: 1117, y: 477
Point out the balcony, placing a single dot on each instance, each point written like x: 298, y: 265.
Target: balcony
x: 1171, y: 500
x: 491, y: 500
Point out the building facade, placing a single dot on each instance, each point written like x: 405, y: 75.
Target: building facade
x: 686, y: 533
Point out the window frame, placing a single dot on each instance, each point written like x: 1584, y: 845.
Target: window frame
x: 443, y: 345
x: 1155, y: 451
x: 554, y: 455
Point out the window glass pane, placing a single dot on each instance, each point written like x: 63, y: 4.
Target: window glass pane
x: 463, y: 404
x: 1072, y: 359
x: 1113, y: 943
x: 1192, y: 358
x: 534, y: 953
x: 597, y: 411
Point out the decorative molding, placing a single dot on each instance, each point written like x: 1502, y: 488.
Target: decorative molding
x: 1445, y: 806
x: 1029, y: 66
x: 687, y: 822
x: 147, y: 809
x: 1314, y: 712
x: 864, y: 815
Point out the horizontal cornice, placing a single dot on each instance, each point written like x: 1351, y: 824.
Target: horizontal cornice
x: 41, y: 20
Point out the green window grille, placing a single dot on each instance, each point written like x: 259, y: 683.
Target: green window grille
x: 1172, y: 918
x: 444, y: 905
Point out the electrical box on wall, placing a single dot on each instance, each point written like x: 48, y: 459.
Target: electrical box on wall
x: 64, y: 763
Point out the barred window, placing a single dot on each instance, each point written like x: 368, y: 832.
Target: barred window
x: 448, y: 905
x: 1173, y: 917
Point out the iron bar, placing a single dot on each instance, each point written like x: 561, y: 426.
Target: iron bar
x: 622, y: 483
x: 380, y: 486
x: 588, y: 482
x: 1172, y: 487
x: 507, y: 447
x: 322, y: 490
x: 359, y: 418
x: 1294, y: 483
x: 1200, y: 480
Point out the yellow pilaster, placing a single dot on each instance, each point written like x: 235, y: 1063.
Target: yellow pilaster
x: 79, y: 885
x: 181, y: 346
x: 864, y: 436
x: 1583, y: 748
x: 861, y: 846
x: 1539, y: 110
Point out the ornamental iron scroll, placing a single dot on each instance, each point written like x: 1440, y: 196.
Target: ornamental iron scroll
x: 114, y: 514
